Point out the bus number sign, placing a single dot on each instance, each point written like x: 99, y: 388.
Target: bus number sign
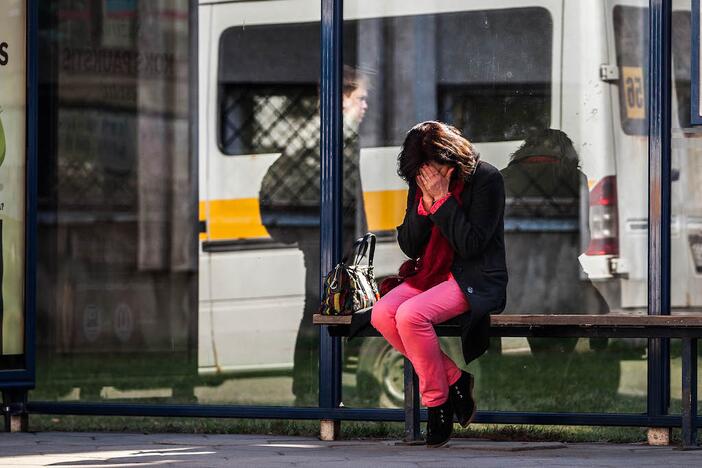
x: 634, y: 97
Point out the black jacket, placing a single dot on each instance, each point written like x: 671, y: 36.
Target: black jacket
x: 475, y: 230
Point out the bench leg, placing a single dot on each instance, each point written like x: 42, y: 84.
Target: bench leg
x: 412, y: 434
x: 329, y: 429
x: 658, y: 436
x: 14, y: 409
x: 689, y: 393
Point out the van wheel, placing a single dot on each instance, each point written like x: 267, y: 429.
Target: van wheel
x: 380, y: 375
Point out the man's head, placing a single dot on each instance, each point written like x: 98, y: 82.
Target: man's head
x: 355, y: 95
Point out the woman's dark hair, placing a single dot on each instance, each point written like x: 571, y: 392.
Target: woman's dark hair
x: 436, y: 141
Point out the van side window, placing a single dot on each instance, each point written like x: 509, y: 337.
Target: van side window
x: 267, y: 87
x: 495, y: 67
x: 487, y: 72
x: 266, y: 119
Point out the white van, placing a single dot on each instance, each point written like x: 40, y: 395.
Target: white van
x: 494, y: 69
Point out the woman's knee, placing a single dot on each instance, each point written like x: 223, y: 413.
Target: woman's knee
x: 409, y: 317
x: 381, y: 315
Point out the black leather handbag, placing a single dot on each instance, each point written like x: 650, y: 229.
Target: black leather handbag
x: 351, y: 285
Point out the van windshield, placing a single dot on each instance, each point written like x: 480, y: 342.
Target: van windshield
x: 630, y: 27
x: 681, y: 33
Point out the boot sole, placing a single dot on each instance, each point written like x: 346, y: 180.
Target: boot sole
x: 439, y: 445
x: 475, y: 407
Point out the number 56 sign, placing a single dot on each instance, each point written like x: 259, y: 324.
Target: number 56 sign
x: 634, y: 97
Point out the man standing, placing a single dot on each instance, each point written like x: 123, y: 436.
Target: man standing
x: 289, y: 201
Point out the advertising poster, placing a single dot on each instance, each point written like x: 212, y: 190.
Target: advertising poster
x: 12, y: 179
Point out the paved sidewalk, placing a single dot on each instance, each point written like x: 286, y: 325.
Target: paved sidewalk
x: 135, y: 450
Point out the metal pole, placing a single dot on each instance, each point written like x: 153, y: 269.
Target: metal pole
x: 689, y: 393
x: 659, y: 90
x: 412, y: 414
x: 330, y: 196
x: 194, y: 134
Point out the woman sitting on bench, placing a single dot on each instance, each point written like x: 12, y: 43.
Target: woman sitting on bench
x: 453, y: 231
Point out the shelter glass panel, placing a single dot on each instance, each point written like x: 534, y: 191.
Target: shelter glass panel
x: 259, y: 203
x: 686, y: 192
x: 549, y: 93
x: 117, y: 272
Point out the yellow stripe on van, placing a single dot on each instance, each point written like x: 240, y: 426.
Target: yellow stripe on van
x: 385, y: 209
x: 202, y: 216
x: 240, y: 218
x: 237, y: 218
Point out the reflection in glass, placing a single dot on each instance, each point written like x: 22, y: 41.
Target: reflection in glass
x: 289, y: 205
x: 533, y: 101
x: 686, y: 194
x: 117, y: 261
x: 259, y: 204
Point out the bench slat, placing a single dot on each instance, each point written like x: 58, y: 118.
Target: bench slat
x: 610, y: 320
x: 319, y: 319
x: 619, y: 320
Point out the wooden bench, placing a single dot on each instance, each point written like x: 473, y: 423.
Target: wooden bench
x: 688, y: 328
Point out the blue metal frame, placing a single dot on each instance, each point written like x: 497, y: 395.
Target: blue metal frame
x: 331, y: 188
x: 659, y: 99
x: 330, y: 216
x: 695, y: 110
x: 347, y: 414
x: 25, y: 378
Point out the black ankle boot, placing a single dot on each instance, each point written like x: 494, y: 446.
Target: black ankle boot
x: 440, y: 424
x: 461, y: 396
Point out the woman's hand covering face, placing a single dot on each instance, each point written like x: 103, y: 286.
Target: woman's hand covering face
x: 433, y: 179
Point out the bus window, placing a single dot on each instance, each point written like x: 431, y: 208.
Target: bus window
x: 257, y: 119
x: 512, y: 96
x: 496, y: 113
x: 267, y: 79
x: 268, y: 88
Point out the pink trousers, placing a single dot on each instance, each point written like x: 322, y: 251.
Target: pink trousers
x: 405, y: 315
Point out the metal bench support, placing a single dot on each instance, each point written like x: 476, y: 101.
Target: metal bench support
x: 412, y: 434
x: 688, y: 328
x: 329, y: 429
x: 689, y: 393
x: 14, y: 410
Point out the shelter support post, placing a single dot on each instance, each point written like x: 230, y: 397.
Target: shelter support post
x: 659, y: 435
x: 412, y: 420
x: 329, y: 429
x: 14, y: 410
x: 689, y: 393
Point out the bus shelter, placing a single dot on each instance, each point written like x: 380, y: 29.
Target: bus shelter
x: 201, y: 165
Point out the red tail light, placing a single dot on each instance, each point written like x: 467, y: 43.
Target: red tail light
x: 604, y: 223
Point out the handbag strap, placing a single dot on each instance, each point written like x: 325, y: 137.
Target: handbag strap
x: 359, y: 249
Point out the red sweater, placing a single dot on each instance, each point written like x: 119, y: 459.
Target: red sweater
x: 434, y: 264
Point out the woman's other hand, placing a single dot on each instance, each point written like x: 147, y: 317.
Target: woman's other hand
x: 435, y: 181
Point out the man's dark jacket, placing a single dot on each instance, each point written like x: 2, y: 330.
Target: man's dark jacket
x: 475, y: 230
